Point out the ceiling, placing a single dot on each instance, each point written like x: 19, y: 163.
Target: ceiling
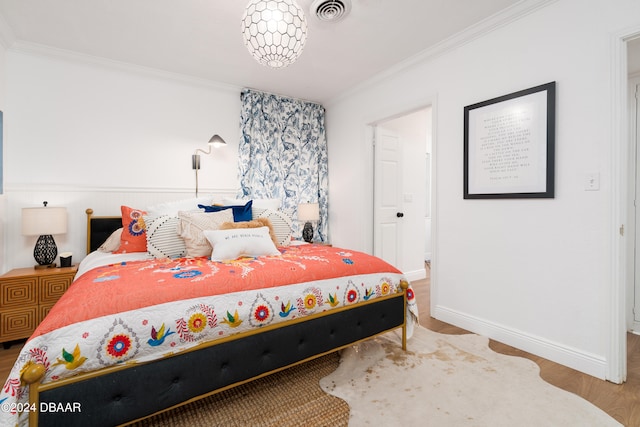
x: 201, y: 38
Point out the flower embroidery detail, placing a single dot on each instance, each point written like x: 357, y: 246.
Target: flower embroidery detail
x: 347, y: 261
x: 137, y: 226
x: 197, y: 322
x: 310, y: 301
x: 385, y: 288
x: 120, y: 342
x: 410, y: 294
x: 262, y: 313
x: 352, y: 295
x: 119, y: 345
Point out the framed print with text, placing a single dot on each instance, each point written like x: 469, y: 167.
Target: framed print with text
x: 509, y: 145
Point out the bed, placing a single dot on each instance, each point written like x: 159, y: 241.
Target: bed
x: 137, y: 334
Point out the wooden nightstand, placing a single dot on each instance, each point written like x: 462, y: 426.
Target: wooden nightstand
x: 27, y: 295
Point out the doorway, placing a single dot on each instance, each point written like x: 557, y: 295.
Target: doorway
x: 403, y: 198
x: 633, y: 290
x: 633, y: 294
x: 623, y: 246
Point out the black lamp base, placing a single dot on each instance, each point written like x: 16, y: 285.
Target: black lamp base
x: 307, y: 232
x: 45, y: 251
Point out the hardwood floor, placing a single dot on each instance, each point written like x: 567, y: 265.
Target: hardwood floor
x: 622, y: 402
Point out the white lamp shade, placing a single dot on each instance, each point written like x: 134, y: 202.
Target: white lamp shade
x: 43, y: 221
x: 308, y: 212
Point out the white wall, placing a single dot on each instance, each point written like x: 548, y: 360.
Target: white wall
x: 88, y: 135
x: 534, y: 273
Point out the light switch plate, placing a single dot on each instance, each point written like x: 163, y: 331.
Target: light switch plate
x: 592, y: 181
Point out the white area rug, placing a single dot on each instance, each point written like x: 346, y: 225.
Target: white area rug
x: 451, y: 380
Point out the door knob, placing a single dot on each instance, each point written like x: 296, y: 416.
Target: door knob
x: 400, y: 214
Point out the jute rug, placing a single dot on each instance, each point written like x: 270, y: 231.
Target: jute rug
x: 451, y: 380
x: 288, y: 398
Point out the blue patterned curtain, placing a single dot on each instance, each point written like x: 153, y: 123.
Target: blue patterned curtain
x: 283, y: 154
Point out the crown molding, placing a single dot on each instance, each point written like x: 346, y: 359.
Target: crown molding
x: 30, y: 48
x: 486, y: 26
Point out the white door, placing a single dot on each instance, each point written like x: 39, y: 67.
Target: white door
x: 635, y: 134
x: 387, y: 197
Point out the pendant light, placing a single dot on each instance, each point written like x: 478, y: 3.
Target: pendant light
x: 274, y: 31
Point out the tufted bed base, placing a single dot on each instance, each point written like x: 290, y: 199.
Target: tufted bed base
x: 125, y: 394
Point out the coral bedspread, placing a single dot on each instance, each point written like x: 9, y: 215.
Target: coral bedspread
x: 142, y: 310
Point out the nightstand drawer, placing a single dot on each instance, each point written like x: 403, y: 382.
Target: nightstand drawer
x: 27, y: 295
x: 18, y: 323
x: 19, y: 292
x: 43, y: 311
x: 52, y: 288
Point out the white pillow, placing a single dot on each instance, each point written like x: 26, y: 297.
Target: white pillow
x: 163, y: 240
x: 257, y: 203
x: 239, y: 242
x: 112, y: 243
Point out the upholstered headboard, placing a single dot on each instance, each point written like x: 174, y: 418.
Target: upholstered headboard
x: 99, y: 228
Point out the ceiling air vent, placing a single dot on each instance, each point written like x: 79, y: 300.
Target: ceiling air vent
x: 330, y: 10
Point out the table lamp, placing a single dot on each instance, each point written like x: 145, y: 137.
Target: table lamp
x: 44, y: 222
x: 308, y: 212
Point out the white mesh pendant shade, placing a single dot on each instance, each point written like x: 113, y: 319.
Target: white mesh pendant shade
x: 274, y: 31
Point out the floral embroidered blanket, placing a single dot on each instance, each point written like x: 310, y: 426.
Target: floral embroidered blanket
x: 143, y: 310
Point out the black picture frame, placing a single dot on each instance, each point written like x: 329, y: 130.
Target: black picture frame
x: 509, y: 145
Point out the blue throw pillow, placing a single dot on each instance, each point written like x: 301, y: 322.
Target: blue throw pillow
x: 240, y: 213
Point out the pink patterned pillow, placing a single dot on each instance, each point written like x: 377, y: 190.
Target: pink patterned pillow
x: 134, y: 236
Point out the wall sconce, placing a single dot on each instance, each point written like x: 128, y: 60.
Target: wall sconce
x: 44, y: 222
x: 308, y: 212
x: 216, y: 142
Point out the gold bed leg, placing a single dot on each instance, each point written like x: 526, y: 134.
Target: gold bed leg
x: 32, y: 375
x: 405, y: 286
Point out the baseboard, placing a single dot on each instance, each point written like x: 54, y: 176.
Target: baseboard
x: 579, y: 360
x: 415, y: 275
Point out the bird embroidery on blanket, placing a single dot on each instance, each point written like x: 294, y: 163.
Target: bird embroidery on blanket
x: 368, y: 294
x: 158, y: 337
x: 286, y: 309
x: 232, y: 320
x: 333, y: 300
x: 71, y: 360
